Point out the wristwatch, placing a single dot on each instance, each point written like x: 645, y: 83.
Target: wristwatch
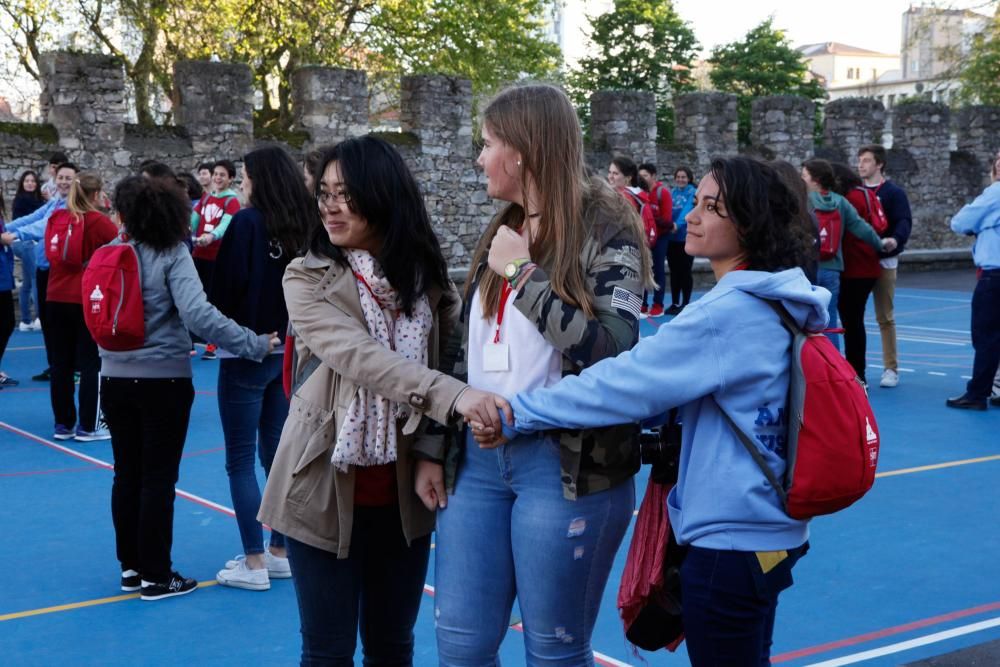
x: 513, y: 269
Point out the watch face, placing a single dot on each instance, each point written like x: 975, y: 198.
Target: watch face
x: 510, y: 270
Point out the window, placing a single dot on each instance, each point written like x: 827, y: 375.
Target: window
x: 850, y: 72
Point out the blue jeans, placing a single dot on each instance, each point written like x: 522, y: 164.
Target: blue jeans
x: 729, y: 605
x: 509, y: 531
x: 377, y: 589
x: 659, y: 254
x: 985, y: 334
x: 253, y: 409
x: 831, y: 281
x: 25, y: 251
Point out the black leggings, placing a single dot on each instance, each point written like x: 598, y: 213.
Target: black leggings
x: 42, y: 288
x: 681, y: 281
x: 6, y: 319
x: 71, y: 349
x: 851, y: 307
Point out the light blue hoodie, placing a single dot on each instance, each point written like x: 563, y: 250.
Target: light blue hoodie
x: 727, y: 349
x: 982, y: 218
x: 31, y: 227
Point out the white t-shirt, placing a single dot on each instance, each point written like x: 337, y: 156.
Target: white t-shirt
x: 533, y: 362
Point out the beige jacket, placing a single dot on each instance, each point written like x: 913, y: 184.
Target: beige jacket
x: 305, y: 497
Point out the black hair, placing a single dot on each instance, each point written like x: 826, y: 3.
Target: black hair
x: 648, y: 166
x: 153, y: 211
x: 156, y: 169
x: 58, y: 158
x: 311, y: 163
x: 67, y: 165
x: 686, y: 170
x: 206, y: 165
x: 766, y: 211
x: 877, y: 151
x: 228, y: 165
x: 383, y: 191
x: 821, y: 172
x: 191, y: 185
x: 280, y: 194
x: 846, y: 178
x: 21, y: 192
x: 628, y: 169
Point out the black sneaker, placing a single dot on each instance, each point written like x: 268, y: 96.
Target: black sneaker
x: 178, y: 585
x: 674, y: 309
x: 41, y: 377
x: 131, y: 581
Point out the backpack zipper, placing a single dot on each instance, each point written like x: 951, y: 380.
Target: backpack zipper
x: 69, y: 233
x: 121, y: 301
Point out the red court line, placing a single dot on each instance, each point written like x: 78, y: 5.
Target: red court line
x: 887, y: 632
x: 23, y: 390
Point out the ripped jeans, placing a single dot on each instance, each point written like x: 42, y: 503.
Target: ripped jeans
x: 508, y: 531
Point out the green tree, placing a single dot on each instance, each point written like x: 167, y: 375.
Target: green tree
x: 762, y: 63
x: 639, y: 45
x: 489, y: 43
x: 979, y: 74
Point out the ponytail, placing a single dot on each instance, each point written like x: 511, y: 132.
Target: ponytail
x: 81, y: 194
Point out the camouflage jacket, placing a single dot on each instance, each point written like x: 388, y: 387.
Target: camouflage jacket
x: 592, y: 459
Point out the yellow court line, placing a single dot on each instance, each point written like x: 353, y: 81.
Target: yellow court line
x: 938, y: 466
x: 81, y: 605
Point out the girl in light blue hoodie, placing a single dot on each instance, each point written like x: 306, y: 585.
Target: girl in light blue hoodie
x: 727, y: 353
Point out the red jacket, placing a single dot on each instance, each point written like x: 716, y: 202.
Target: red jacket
x: 661, y: 194
x: 211, y: 210
x: 860, y: 259
x: 66, y: 283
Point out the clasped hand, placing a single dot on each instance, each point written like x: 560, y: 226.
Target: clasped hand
x: 507, y: 246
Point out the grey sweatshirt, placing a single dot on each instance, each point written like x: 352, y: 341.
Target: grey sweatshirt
x: 175, y: 303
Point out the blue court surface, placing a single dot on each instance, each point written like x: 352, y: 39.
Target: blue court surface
x: 908, y: 573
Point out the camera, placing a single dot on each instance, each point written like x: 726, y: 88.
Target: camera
x: 661, y: 449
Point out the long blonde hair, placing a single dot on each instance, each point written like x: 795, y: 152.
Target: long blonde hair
x: 80, y: 199
x: 538, y: 121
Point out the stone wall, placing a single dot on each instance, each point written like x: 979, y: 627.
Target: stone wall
x: 781, y: 126
x: 84, y: 100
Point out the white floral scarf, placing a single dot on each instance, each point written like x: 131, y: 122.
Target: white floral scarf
x: 368, y: 435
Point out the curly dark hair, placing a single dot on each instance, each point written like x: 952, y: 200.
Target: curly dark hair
x: 153, y: 212
x: 628, y: 169
x: 383, y: 191
x: 821, y: 172
x: 766, y: 212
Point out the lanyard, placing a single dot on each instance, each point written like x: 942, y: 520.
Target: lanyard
x: 505, y: 291
x: 395, y: 313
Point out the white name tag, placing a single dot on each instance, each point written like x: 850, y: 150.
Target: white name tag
x: 496, y: 358
x: 209, y: 227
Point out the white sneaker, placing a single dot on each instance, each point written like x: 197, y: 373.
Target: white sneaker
x: 24, y: 327
x: 36, y: 325
x: 242, y: 576
x: 890, y: 378
x: 277, y: 567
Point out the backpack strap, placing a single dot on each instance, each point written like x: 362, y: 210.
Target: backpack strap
x: 308, y: 369
x: 755, y: 455
x: 793, y: 327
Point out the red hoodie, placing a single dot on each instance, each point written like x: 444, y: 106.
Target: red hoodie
x: 65, y: 282
x: 860, y: 259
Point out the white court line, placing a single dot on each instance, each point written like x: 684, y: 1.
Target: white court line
x: 916, y: 339
x: 873, y: 324
x: 907, y: 645
x: 25, y: 348
x: 906, y: 370
x: 937, y: 373
x: 933, y: 298
x: 109, y: 466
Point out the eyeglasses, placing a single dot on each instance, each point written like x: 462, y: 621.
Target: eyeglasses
x: 325, y: 199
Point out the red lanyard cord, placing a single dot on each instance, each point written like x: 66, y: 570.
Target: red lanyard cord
x: 505, y: 291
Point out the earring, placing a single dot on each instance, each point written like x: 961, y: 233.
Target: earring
x: 518, y: 163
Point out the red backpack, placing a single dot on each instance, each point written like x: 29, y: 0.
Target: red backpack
x: 645, y: 210
x: 664, y: 224
x: 876, y: 214
x: 64, y: 240
x: 833, y: 440
x: 112, y: 298
x: 831, y: 231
